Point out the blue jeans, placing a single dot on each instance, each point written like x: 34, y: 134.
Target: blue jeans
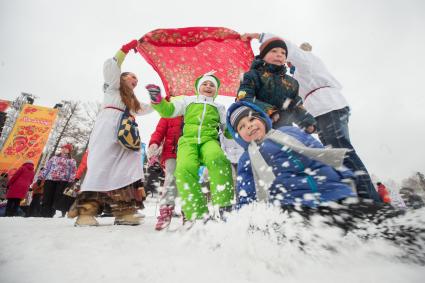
x: 333, y: 130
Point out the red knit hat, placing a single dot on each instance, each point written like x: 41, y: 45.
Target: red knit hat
x: 68, y: 146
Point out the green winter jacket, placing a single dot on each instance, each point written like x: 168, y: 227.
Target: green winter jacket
x: 203, y: 117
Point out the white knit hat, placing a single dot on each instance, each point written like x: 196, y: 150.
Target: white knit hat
x: 207, y: 77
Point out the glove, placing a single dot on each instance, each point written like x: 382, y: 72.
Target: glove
x: 153, y: 150
x: 131, y: 45
x: 154, y: 93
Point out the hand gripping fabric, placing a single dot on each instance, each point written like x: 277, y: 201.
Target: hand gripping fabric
x: 128, y: 132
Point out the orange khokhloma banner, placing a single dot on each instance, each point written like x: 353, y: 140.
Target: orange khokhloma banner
x: 28, y: 137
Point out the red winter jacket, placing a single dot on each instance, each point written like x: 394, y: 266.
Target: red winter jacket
x: 20, y: 182
x: 82, y: 167
x: 384, y: 194
x: 169, y: 130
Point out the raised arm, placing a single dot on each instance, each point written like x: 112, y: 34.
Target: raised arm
x: 166, y: 109
x: 112, y: 66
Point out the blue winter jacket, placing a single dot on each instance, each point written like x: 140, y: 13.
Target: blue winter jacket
x: 298, y: 178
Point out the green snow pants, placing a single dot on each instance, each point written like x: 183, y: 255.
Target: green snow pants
x: 190, y: 156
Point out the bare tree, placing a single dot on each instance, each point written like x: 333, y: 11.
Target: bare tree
x: 68, y: 114
x: 421, y: 179
x: 78, y: 122
x: 416, y: 182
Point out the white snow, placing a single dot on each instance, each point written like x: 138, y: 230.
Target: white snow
x: 244, y: 249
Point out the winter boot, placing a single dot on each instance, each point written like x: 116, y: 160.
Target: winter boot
x: 126, y: 217
x: 224, y: 212
x: 164, y: 218
x: 86, y: 220
x: 73, y: 210
x: 86, y: 213
x: 107, y: 211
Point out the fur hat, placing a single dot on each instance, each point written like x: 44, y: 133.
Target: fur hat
x: 271, y: 43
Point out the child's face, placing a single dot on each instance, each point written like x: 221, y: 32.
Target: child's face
x: 276, y: 56
x: 251, y: 128
x: 207, y: 88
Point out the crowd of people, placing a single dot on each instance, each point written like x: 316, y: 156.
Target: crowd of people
x: 260, y: 149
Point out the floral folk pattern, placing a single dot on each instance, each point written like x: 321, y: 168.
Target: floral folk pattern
x: 179, y: 56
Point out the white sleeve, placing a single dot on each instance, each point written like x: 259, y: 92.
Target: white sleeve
x: 309, y: 65
x: 180, y: 103
x: 144, y: 109
x: 302, y: 60
x: 222, y: 112
x: 111, y: 74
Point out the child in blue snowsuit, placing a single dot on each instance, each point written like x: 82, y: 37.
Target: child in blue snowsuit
x: 286, y: 167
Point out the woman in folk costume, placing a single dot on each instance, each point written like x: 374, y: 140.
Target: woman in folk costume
x: 112, y: 169
x: 199, y: 145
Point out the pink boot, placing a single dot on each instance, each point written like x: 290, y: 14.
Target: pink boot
x: 164, y: 218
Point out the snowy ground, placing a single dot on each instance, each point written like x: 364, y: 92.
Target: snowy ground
x: 53, y: 250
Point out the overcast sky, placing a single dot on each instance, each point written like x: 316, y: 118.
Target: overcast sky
x: 56, y: 49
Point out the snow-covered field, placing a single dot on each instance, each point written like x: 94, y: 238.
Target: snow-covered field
x: 248, y: 248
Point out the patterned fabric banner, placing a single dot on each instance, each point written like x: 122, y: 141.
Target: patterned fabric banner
x: 28, y: 137
x: 179, y: 56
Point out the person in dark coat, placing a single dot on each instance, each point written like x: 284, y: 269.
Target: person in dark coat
x: 268, y: 86
x: 18, y: 187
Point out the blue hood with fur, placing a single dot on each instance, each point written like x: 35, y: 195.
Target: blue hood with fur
x: 233, y: 131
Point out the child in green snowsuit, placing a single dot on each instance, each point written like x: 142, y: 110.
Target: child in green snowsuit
x: 199, y: 145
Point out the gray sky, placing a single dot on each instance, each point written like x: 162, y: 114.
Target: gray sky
x: 56, y: 49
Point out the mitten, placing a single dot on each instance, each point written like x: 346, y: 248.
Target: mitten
x: 131, y: 45
x: 154, y: 93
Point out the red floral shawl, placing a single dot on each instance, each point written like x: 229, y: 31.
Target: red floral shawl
x: 181, y: 55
